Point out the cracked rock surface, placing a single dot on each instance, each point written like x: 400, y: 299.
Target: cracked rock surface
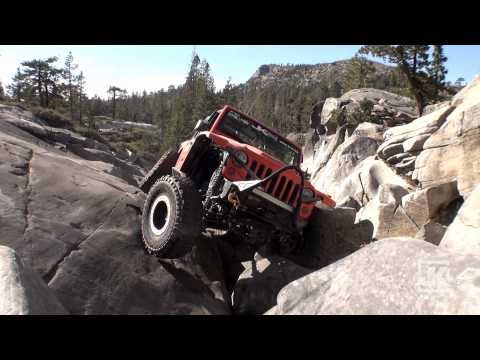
x: 78, y: 228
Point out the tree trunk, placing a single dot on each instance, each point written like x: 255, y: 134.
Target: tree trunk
x: 71, y: 98
x: 46, y: 95
x: 113, y: 112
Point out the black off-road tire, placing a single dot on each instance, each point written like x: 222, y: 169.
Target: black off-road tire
x: 171, y: 218
x: 162, y: 167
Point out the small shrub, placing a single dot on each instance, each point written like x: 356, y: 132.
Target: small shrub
x: 337, y: 117
x: 52, y: 118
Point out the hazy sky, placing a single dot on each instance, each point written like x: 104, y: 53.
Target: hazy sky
x: 152, y: 67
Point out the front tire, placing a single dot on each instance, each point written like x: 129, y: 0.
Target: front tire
x: 171, y: 217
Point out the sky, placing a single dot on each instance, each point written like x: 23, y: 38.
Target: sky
x: 152, y: 67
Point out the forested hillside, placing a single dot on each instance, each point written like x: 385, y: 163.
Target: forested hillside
x: 279, y: 95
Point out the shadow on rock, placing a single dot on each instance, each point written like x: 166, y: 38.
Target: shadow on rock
x: 331, y: 235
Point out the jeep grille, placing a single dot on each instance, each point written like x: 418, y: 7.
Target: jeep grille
x: 280, y: 187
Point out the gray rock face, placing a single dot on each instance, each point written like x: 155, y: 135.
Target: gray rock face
x: 257, y: 287
x: 463, y: 235
x: 35, y: 130
x: 23, y: 290
x: 370, y: 130
x: 431, y: 232
x: 391, y: 108
x: 390, y: 276
x: 332, y: 235
x: 387, y: 215
x: 342, y: 163
x: 452, y: 151
x: 79, y: 229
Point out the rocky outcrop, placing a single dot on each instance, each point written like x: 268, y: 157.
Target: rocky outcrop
x: 452, y: 152
x: 69, y: 142
x: 389, y: 108
x: 402, y: 144
x: 364, y: 181
x: 78, y: 227
x: 390, y: 276
x: 463, y: 235
x: 431, y: 232
x: 332, y: 235
x: 342, y: 162
x: 23, y: 290
x: 257, y: 287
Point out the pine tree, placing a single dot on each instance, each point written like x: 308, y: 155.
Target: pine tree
x: 459, y: 81
x: 2, y: 92
x: 114, y: 90
x: 359, y: 73
x: 69, y: 77
x: 18, y: 88
x: 81, y: 94
x: 413, y: 61
x: 43, y: 77
x: 437, y: 66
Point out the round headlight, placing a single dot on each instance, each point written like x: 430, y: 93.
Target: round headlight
x: 308, y: 194
x: 242, y: 157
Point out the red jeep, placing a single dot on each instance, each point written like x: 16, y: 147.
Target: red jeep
x: 234, y: 174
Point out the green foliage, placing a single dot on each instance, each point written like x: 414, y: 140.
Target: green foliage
x: 52, y: 118
x: 359, y: 74
x: 337, y: 117
x: 425, y: 72
x: 2, y: 92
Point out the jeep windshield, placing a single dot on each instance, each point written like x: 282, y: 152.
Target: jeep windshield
x: 245, y: 131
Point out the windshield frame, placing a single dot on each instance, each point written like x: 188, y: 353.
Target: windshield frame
x: 267, y: 132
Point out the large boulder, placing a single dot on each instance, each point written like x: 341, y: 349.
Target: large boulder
x: 411, y: 137
x: 452, y: 152
x: 37, y: 131
x: 342, y: 162
x: 371, y: 130
x: 390, y: 276
x: 363, y: 182
x: 257, y: 287
x: 325, y: 149
x: 388, y: 217
x: 79, y: 228
x: 331, y: 235
x: 463, y: 235
x: 23, y: 290
x: 391, y: 108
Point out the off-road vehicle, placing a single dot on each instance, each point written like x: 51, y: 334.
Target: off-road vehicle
x: 234, y: 175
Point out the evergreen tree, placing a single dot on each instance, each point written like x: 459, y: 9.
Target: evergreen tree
x: 81, y: 94
x: 18, y: 88
x: 437, y: 66
x: 43, y: 77
x: 359, y: 73
x: 115, y: 90
x: 413, y: 61
x: 459, y: 81
x: 69, y: 77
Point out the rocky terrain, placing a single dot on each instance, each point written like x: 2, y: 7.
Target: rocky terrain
x: 404, y: 238
x: 304, y: 75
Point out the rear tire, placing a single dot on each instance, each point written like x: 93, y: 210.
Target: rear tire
x: 162, y: 167
x: 171, y: 218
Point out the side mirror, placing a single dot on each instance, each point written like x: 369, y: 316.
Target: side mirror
x: 197, y: 126
x: 201, y: 125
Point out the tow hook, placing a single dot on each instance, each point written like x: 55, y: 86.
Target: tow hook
x: 233, y: 199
